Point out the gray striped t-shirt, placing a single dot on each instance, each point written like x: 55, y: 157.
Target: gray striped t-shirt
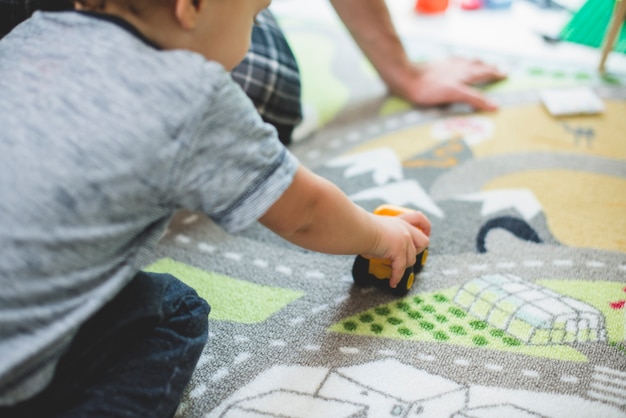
x: 102, y: 137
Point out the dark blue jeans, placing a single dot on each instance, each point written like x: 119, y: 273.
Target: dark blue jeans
x: 134, y: 358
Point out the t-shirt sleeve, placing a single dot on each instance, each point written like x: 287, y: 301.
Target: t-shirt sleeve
x: 235, y: 168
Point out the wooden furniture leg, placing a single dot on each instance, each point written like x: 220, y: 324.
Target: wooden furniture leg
x: 619, y: 15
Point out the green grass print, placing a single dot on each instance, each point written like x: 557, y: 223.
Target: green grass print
x: 433, y: 317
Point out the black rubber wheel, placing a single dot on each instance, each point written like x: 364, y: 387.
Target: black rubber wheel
x: 405, y: 283
x: 360, y: 273
x: 363, y: 278
x: 420, y: 262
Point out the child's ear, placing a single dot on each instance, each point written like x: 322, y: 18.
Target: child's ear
x: 186, y: 13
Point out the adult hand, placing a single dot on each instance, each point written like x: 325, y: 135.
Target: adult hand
x: 428, y: 84
x: 446, y: 81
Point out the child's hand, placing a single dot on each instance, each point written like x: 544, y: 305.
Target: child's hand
x: 400, y: 239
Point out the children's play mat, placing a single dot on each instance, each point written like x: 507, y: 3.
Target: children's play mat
x: 520, y: 310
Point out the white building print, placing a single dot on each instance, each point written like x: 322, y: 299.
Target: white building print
x: 391, y: 388
x: 529, y: 312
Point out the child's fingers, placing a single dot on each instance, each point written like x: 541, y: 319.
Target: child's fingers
x: 420, y: 238
x: 418, y: 220
x: 399, y: 265
x: 403, y: 238
x: 421, y: 241
x: 397, y: 271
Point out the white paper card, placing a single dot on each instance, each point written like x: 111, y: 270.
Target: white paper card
x: 575, y: 101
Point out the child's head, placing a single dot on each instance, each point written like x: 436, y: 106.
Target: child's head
x: 218, y: 29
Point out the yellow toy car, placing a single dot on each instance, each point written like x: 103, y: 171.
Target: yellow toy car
x: 377, y: 272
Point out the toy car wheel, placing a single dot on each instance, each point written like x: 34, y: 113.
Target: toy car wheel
x: 405, y: 284
x: 360, y: 273
x: 420, y: 261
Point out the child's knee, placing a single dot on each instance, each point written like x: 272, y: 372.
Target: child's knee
x: 183, y: 305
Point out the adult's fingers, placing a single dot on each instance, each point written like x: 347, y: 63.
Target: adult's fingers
x: 469, y: 95
x: 484, y: 74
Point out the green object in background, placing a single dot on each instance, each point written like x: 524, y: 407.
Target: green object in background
x: 590, y: 23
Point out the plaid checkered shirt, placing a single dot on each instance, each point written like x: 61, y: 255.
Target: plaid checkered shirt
x: 269, y: 74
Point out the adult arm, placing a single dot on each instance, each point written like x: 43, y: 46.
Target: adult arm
x: 433, y: 83
x: 315, y: 214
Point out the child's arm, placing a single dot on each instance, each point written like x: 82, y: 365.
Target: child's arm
x: 315, y: 214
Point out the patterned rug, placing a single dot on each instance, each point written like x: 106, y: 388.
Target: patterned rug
x: 520, y: 310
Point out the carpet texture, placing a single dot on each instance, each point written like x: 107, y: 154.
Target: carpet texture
x: 520, y: 310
